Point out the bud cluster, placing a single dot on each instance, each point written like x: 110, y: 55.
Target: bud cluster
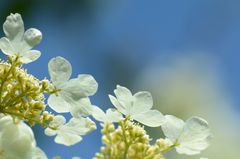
x: 128, y: 141
x: 21, y: 94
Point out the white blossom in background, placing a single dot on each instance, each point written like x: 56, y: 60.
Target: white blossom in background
x: 137, y: 106
x: 19, y: 43
x: 69, y: 133
x: 190, y: 137
x: 17, y: 141
x: 73, y: 93
x: 193, y: 84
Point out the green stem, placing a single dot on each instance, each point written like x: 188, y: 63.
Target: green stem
x: 14, y: 64
x: 169, y: 148
x: 20, y: 115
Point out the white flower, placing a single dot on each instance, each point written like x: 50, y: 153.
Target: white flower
x: 111, y: 115
x: 69, y: 133
x: 17, y: 141
x: 190, y: 137
x: 137, y: 106
x: 72, y: 92
x: 18, y: 43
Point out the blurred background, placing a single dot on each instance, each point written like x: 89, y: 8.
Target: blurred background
x: 185, y: 52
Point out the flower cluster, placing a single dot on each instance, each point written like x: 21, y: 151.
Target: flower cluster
x: 189, y: 138
x: 22, y: 96
x: 22, y: 104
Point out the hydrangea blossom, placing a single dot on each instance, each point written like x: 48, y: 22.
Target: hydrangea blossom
x: 111, y: 115
x: 69, y: 133
x: 17, y: 141
x: 22, y: 100
x: 73, y: 94
x: 190, y: 137
x: 137, y: 106
x: 18, y: 43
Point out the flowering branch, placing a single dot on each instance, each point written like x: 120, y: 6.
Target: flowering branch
x: 22, y: 102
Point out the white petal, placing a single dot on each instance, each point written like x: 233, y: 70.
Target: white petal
x: 30, y: 56
x: 69, y: 134
x: 82, y: 107
x: 187, y: 150
x: 59, y: 70
x: 142, y: 102
x: 124, y: 97
x: 4, y: 121
x: 113, y: 115
x: 195, y: 136
x: 32, y: 37
x: 98, y: 114
x: 13, y: 27
x: 173, y: 127
x: 117, y: 105
x: 80, y: 126
x: 38, y: 154
x: 58, y: 104
x: 67, y: 139
x: 6, y: 47
x: 151, y: 118
x: 83, y: 86
x: 50, y: 132
x: 17, y: 140
x: 58, y: 121
x: 88, y: 84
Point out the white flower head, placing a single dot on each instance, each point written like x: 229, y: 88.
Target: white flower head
x: 190, y: 137
x: 73, y: 95
x: 111, y: 115
x: 18, y: 43
x: 137, y: 106
x: 69, y: 133
x: 17, y: 141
